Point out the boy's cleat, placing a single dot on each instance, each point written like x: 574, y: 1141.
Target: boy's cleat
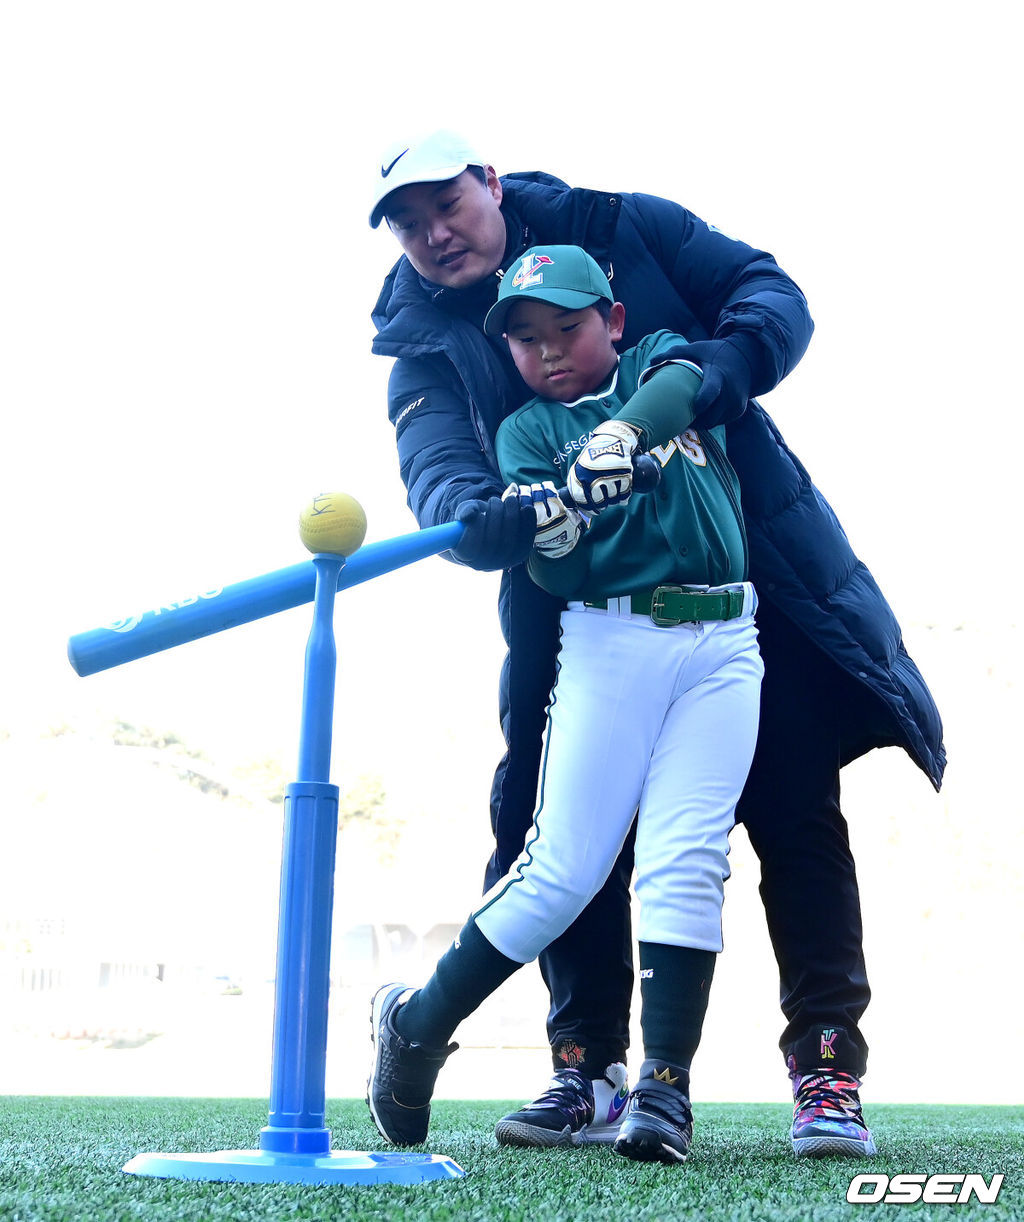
x: 403, y: 1075
x: 658, y: 1125
x: 573, y: 1111
x: 827, y: 1119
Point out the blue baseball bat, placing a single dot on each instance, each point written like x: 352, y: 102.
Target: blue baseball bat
x: 200, y: 615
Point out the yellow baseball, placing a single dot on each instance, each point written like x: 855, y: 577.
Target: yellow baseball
x: 333, y: 522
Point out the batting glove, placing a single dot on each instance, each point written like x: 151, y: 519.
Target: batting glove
x: 498, y: 534
x: 603, y: 473
x: 559, y: 526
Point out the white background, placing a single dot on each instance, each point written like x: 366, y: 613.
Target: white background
x: 185, y: 288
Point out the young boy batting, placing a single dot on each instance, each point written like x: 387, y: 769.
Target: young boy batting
x: 654, y: 710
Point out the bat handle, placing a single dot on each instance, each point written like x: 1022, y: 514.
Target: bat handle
x: 646, y: 477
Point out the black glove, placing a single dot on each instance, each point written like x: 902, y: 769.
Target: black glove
x: 730, y: 368
x: 499, y: 533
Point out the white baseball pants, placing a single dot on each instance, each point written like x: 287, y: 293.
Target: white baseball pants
x: 658, y: 722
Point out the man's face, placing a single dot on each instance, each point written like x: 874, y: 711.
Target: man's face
x: 452, y: 232
x: 563, y: 354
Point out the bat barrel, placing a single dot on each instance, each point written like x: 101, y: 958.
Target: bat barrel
x: 153, y: 631
x: 150, y: 632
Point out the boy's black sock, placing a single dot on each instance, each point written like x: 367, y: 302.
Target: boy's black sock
x: 466, y: 974
x: 675, y: 982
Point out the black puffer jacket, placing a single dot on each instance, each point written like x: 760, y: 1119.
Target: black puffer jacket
x: 451, y: 386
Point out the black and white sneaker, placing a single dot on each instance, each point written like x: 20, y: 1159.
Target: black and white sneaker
x: 402, y: 1079
x: 658, y: 1125
x: 574, y: 1110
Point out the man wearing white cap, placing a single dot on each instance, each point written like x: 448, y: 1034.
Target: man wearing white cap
x: 838, y: 680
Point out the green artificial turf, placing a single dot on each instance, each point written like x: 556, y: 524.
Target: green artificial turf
x: 61, y: 1160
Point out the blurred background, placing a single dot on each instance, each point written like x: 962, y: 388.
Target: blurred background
x: 185, y: 293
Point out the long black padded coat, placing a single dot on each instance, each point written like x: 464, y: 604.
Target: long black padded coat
x: 451, y: 386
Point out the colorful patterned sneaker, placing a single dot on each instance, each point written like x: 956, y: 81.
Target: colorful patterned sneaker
x: 403, y: 1075
x: 658, y: 1126
x: 827, y: 1118
x: 574, y: 1110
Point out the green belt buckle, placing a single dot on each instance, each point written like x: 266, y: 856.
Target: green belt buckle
x: 658, y: 606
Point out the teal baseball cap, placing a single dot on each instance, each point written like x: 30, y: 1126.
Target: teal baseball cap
x: 564, y: 276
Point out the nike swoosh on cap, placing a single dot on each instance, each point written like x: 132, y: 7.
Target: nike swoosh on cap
x: 384, y: 173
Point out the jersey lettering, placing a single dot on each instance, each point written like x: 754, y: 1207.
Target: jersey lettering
x: 687, y: 443
x: 570, y: 446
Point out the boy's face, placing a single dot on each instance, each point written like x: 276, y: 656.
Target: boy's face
x: 563, y: 354
x: 452, y: 232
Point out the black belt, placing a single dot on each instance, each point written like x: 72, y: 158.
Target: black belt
x: 671, y: 605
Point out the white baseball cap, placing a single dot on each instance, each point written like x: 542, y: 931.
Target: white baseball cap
x: 432, y: 158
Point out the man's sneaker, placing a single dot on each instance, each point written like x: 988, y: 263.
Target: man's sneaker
x: 658, y: 1125
x: 403, y: 1075
x: 572, y: 1111
x: 827, y: 1118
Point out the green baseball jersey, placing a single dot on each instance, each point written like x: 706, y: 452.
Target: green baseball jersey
x: 688, y: 531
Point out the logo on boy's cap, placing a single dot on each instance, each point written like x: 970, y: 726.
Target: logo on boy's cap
x: 529, y: 272
x: 562, y: 276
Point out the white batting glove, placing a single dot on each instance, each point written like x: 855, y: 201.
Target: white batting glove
x: 559, y: 526
x: 603, y: 473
